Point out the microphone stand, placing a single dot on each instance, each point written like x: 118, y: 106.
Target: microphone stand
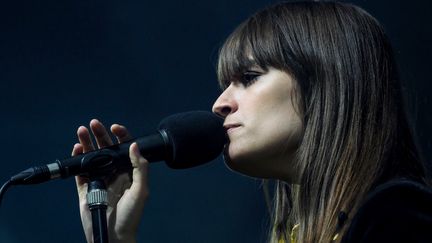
x: 100, y: 164
x: 97, y: 201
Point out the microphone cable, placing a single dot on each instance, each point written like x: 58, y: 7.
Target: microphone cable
x: 4, y: 188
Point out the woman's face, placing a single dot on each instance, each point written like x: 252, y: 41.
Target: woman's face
x: 262, y: 124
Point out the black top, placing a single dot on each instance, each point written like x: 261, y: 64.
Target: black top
x: 397, y: 211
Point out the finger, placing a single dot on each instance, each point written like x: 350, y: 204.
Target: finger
x: 103, y: 139
x: 121, y: 133
x: 77, y: 149
x: 85, y: 139
x: 140, y: 170
x: 81, y: 182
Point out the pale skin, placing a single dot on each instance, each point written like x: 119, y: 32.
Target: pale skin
x: 263, y: 127
x: 126, y: 198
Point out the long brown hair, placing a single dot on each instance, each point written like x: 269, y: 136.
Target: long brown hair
x: 356, y: 132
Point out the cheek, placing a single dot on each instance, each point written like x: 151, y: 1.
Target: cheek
x: 282, y: 137
x: 280, y: 125
x: 285, y: 137
x: 266, y: 139
x: 263, y: 155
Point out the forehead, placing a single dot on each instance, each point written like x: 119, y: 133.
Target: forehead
x: 233, y: 65
x: 248, y: 46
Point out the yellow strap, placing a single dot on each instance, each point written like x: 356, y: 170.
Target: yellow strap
x: 293, y: 234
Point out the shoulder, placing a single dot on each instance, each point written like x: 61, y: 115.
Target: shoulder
x: 397, y: 211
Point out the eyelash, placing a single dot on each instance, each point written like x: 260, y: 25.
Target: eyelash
x: 249, y: 77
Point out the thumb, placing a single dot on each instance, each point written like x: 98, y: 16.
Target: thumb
x: 140, y: 170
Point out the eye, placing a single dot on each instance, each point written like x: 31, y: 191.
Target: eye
x: 249, y: 77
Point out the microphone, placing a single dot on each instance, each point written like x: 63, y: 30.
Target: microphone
x: 183, y: 140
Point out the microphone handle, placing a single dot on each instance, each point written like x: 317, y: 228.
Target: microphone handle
x: 109, y: 160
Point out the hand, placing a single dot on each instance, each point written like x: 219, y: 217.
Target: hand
x: 126, y: 196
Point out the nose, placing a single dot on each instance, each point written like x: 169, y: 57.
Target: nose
x: 225, y: 104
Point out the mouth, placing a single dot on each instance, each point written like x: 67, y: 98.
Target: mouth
x: 231, y: 127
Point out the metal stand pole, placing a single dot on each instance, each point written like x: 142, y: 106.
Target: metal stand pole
x: 97, y: 201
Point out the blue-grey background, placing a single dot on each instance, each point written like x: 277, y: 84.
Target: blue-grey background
x: 135, y: 62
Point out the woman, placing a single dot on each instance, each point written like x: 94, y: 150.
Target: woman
x: 311, y: 97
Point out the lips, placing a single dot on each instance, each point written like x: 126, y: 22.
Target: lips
x: 231, y: 127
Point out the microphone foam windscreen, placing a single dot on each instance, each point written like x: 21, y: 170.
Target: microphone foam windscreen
x: 197, y: 137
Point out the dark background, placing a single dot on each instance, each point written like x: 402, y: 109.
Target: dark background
x: 135, y: 62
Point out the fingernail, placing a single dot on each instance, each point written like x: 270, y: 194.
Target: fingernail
x: 136, y: 149
x: 81, y: 129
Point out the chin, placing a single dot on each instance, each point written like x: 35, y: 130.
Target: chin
x: 234, y: 158
x: 257, y: 168
x: 245, y: 166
